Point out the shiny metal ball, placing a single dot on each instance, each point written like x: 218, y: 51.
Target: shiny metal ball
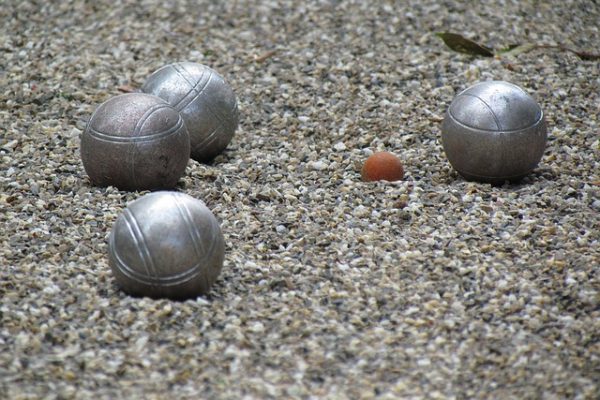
x: 166, y: 245
x: 135, y: 141
x: 206, y: 102
x: 494, y: 132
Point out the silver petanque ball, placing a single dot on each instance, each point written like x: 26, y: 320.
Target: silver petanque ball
x: 135, y: 141
x: 206, y: 102
x: 166, y: 245
x: 493, y: 132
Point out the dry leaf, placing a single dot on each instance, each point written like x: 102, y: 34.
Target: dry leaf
x: 463, y: 45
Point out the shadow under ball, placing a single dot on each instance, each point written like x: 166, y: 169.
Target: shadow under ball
x: 206, y: 102
x: 166, y: 245
x: 135, y: 141
x: 494, y: 131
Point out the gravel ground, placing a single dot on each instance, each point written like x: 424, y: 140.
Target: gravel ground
x: 432, y: 287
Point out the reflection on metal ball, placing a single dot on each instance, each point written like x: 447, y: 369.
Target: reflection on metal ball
x: 206, y: 102
x: 493, y: 132
x: 135, y: 141
x: 166, y: 245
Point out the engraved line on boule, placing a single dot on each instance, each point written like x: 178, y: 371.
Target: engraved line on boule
x: 197, y: 93
x: 147, y: 114
x: 185, y: 74
x: 214, y: 228
x: 140, y: 244
x: 156, y: 281
x: 160, y: 69
x: 129, y: 139
x: 213, y: 136
x: 136, y: 130
x: 196, y: 238
x: 209, y: 139
x: 191, y: 92
x: 215, y: 232
x: 498, y: 124
x: 151, y: 277
x: 214, y: 235
x: 222, y: 120
x: 457, y: 121
x: 182, y: 72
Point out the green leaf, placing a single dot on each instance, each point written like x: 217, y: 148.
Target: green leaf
x: 518, y: 49
x: 463, y: 45
x: 509, y: 48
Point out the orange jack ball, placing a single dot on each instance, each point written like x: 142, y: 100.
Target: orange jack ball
x: 382, y: 166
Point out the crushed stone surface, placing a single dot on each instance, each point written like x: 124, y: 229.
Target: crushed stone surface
x: 333, y: 288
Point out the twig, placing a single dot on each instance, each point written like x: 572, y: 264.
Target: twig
x: 264, y: 56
